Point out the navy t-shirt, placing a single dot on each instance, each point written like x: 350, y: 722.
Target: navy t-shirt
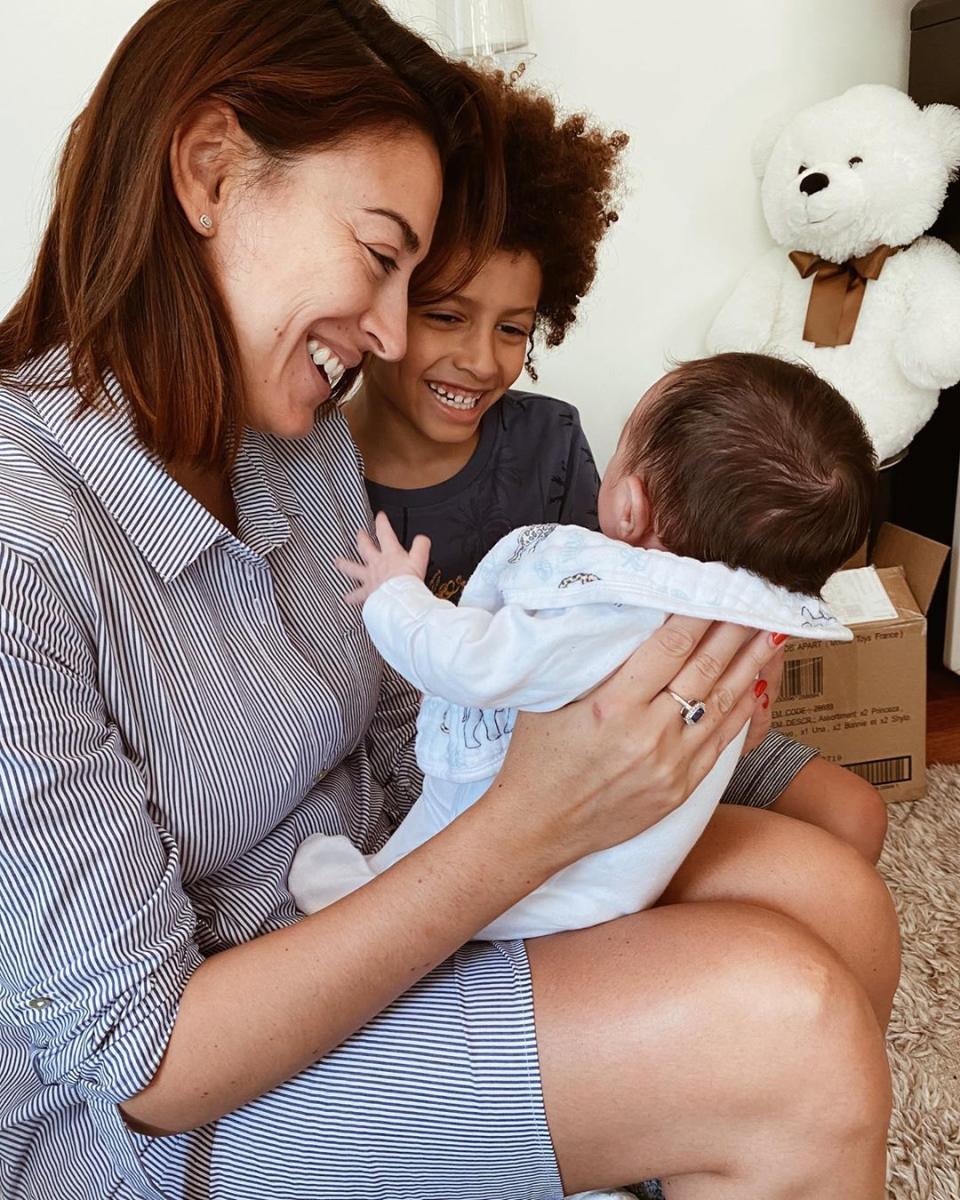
x: 532, y: 464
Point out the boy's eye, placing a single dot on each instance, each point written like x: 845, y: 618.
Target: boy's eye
x: 442, y: 317
x: 514, y: 331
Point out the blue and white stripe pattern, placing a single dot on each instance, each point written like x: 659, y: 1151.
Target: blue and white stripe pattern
x: 179, y: 709
x: 762, y: 775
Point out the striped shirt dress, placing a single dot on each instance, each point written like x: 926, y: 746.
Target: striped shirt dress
x: 179, y: 709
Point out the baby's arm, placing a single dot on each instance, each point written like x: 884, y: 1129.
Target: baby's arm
x: 513, y: 658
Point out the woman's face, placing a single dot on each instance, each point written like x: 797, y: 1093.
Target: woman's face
x: 314, y: 265
x: 463, y: 352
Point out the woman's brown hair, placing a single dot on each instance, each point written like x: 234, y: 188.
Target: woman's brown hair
x: 120, y: 278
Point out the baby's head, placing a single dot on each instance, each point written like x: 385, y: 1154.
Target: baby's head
x: 746, y: 460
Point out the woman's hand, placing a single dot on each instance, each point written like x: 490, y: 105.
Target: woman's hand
x: 610, y: 765
x: 383, y: 562
x: 767, y: 690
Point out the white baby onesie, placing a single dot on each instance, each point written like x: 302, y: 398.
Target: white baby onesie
x: 548, y: 614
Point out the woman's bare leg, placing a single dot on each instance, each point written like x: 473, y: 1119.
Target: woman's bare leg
x: 720, y: 1047
x: 838, y: 801
x: 760, y: 857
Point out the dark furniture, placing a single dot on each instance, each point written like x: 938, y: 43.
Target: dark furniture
x: 923, y: 487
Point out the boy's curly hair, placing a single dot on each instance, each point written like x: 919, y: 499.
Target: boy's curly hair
x: 563, y: 185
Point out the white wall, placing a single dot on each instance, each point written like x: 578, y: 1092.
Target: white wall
x: 690, y: 83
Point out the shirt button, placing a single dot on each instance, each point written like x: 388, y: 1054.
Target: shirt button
x: 40, y: 1002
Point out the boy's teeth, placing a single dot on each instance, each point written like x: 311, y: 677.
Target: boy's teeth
x: 454, y: 399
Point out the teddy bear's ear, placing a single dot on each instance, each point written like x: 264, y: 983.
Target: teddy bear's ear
x: 765, y: 141
x: 943, y: 124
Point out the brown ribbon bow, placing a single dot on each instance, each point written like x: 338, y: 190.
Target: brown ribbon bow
x: 837, y: 293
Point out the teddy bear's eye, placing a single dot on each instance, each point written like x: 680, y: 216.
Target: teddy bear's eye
x: 801, y: 168
x: 856, y: 161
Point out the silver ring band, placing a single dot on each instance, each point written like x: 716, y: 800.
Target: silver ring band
x: 690, y: 710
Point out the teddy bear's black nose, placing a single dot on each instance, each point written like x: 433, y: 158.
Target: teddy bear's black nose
x: 814, y: 183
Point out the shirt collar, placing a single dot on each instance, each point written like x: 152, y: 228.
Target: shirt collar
x: 168, y: 526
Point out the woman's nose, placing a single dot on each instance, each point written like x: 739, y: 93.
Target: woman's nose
x: 385, y: 324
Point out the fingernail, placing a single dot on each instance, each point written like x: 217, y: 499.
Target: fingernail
x: 759, y: 687
x: 778, y: 638
x: 765, y: 701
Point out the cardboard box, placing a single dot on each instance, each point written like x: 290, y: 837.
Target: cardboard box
x: 863, y: 704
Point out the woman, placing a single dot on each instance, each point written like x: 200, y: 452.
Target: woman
x: 184, y: 697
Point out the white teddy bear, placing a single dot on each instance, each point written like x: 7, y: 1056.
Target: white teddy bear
x: 852, y: 289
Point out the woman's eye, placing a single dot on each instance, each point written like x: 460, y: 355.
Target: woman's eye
x: 856, y: 161
x: 389, y: 264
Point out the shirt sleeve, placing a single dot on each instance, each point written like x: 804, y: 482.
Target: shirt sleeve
x: 582, y: 483
x: 96, y: 933
x: 511, y: 658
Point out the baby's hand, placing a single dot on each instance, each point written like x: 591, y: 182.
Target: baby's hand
x: 383, y: 562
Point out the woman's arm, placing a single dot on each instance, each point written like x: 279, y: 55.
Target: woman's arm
x: 575, y: 781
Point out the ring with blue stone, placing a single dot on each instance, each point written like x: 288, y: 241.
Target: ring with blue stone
x: 690, y: 710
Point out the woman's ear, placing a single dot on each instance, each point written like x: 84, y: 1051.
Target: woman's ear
x: 204, y: 149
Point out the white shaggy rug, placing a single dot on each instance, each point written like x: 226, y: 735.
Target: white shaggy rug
x: 921, y: 864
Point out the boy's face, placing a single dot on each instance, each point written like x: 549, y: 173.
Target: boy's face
x: 462, y: 352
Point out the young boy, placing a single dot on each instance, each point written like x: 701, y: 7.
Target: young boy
x: 739, y: 485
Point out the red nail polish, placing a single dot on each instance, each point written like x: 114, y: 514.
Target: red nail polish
x: 759, y: 687
x: 765, y: 702
x: 778, y: 638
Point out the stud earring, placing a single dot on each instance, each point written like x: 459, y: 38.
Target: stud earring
x: 206, y: 221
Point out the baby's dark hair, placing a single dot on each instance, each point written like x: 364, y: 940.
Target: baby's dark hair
x: 757, y: 463
x: 562, y: 183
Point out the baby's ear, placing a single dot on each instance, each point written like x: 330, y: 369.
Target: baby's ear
x: 636, y: 515
x: 942, y: 122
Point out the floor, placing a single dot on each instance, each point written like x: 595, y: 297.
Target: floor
x: 943, y: 716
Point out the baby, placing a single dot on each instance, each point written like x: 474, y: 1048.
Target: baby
x: 739, y: 484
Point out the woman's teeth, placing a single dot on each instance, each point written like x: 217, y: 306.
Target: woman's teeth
x: 326, y: 360
x: 461, y: 400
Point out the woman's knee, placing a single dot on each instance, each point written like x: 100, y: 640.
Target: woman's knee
x: 750, y: 1027
x: 866, y: 819
x: 833, y: 798
x: 814, y: 1028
